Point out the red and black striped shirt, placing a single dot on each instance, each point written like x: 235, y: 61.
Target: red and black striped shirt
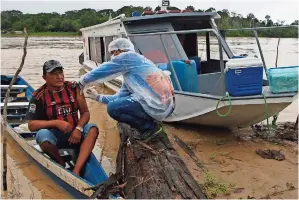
x: 49, y: 105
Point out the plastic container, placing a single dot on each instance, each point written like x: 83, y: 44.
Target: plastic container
x: 244, y: 76
x: 187, y: 75
x: 283, y: 79
x: 197, y: 62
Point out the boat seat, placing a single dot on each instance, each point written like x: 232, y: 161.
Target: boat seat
x: 68, y: 155
x: 15, y: 105
x: 14, y: 86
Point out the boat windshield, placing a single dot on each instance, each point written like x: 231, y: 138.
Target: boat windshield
x: 152, y: 48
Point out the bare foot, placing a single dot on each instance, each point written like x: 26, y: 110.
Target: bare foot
x: 76, y: 172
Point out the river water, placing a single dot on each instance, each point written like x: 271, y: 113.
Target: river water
x: 67, y: 50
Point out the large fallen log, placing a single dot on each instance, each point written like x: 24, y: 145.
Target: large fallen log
x: 151, y: 170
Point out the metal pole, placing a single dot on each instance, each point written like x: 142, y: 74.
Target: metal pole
x: 171, y: 66
x: 208, y: 47
x: 224, y: 43
x: 261, y: 28
x: 261, y: 53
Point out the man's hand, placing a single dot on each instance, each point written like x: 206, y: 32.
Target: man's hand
x: 64, y: 126
x: 75, y: 137
x: 93, y: 94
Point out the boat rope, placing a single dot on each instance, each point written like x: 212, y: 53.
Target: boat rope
x: 274, y: 120
x: 230, y: 108
x: 267, y: 114
x: 230, y: 105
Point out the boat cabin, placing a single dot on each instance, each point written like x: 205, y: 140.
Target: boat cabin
x: 167, y: 37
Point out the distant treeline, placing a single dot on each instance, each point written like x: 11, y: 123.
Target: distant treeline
x: 72, y: 21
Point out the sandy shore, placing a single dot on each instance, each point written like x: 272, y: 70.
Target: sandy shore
x: 230, y: 160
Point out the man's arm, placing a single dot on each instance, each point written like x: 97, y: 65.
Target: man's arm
x: 83, y: 108
x: 84, y: 117
x: 37, y: 120
x: 35, y: 125
x: 123, y: 92
x: 112, y: 69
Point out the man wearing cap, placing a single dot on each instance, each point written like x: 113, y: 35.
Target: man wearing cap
x: 53, y: 113
x: 146, y: 96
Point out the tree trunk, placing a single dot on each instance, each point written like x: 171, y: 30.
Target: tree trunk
x: 151, y: 170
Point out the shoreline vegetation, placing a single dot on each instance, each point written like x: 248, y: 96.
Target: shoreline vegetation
x: 44, y: 34
x: 78, y: 34
x: 68, y: 24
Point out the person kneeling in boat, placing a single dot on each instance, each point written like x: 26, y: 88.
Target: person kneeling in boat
x: 146, y: 95
x: 53, y: 113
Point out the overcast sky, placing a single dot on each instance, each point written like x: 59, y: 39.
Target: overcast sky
x: 278, y: 9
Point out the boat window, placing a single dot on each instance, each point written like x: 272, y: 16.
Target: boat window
x: 96, y: 49
x: 189, y: 44
x: 108, y: 39
x: 152, y: 48
x: 210, y: 55
x: 92, y: 49
x: 214, y: 48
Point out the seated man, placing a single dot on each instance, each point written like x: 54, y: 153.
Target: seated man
x: 53, y: 113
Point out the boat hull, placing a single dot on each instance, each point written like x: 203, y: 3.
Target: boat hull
x: 201, y: 109
x: 240, y: 115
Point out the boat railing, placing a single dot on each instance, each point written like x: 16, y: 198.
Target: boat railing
x: 218, y: 36
x: 260, y: 28
x: 255, y: 30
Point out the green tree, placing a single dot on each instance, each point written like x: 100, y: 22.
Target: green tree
x: 211, y: 9
x: 67, y: 26
x: 269, y: 22
x: 18, y: 26
x: 190, y: 8
x: 295, y: 22
x: 172, y: 8
x: 148, y: 8
x: 158, y: 8
x: 5, y: 24
x: 54, y: 24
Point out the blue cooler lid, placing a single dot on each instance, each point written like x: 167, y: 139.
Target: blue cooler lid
x: 237, y: 63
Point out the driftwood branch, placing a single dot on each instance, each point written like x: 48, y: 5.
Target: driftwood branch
x: 148, y: 170
x: 277, y: 52
x: 4, y: 161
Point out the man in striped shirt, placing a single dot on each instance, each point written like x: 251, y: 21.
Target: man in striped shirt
x: 53, y: 113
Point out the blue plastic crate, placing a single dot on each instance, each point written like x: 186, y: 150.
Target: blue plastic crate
x: 283, y: 79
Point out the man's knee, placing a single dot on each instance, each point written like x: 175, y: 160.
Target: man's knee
x: 45, y: 146
x: 94, y: 132
x: 91, y: 130
x: 45, y: 135
x: 112, y: 109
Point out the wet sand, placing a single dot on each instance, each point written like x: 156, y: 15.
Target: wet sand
x: 232, y: 160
